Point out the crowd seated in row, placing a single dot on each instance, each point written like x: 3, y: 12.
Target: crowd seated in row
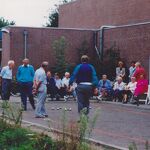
x: 120, y: 91
x: 59, y: 88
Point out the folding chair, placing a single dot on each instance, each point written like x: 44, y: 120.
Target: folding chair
x: 148, y: 96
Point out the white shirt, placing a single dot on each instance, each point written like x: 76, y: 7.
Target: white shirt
x: 58, y: 83
x: 6, y: 73
x: 118, y: 86
x: 131, y: 86
x: 40, y: 76
x: 65, y: 82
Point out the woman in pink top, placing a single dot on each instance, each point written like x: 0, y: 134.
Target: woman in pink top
x: 141, y: 88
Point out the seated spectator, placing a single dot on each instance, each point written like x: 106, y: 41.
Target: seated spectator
x: 139, y: 71
x: 104, y: 87
x: 131, y: 69
x: 58, y: 86
x: 120, y: 70
x: 129, y: 89
x: 51, y: 85
x: 73, y: 91
x: 118, y: 88
x: 65, y: 85
x: 141, y: 88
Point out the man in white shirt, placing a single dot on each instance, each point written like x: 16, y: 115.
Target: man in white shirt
x: 65, y: 85
x: 6, y: 77
x: 40, y: 82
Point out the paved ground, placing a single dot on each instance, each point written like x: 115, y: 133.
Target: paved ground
x: 117, y: 124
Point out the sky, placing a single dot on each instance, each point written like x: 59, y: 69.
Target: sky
x: 32, y: 13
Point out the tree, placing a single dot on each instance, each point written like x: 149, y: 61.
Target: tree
x: 54, y: 15
x: 4, y: 22
x: 59, y: 47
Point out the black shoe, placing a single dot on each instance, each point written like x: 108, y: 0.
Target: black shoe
x: 33, y: 106
x: 46, y: 116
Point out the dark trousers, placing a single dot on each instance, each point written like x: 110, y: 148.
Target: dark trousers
x: 26, y: 91
x: 84, y: 92
x: 51, y: 91
x: 6, y: 88
x: 118, y: 94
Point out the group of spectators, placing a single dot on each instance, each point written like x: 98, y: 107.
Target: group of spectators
x: 118, y: 90
x: 59, y: 88
x: 83, y: 84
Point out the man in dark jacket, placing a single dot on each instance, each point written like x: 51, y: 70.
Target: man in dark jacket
x: 85, y: 76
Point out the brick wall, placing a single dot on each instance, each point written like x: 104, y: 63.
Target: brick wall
x: 39, y: 45
x: 95, y: 13
x: 133, y: 43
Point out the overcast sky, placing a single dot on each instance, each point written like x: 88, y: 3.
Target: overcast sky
x: 27, y: 12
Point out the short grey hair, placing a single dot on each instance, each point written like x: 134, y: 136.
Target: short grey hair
x: 11, y: 62
x: 67, y: 73
x: 44, y: 64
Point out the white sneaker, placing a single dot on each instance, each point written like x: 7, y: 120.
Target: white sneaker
x: 65, y: 98
x: 99, y: 97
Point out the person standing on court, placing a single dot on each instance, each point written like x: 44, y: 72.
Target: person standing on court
x: 6, y: 77
x: 25, y: 75
x: 40, y: 87
x: 85, y: 76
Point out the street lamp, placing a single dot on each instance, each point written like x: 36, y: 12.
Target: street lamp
x: 25, y: 32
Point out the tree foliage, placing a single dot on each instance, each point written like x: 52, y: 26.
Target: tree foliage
x: 54, y: 15
x: 4, y: 22
x: 59, y: 47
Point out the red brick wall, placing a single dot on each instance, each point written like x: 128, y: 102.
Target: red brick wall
x: 95, y: 13
x: 133, y: 43
x: 39, y: 44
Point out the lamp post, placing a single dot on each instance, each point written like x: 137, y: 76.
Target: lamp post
x: 25, y: 43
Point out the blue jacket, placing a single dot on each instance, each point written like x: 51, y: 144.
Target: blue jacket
x: 106, y: 85
x: 84, y: 73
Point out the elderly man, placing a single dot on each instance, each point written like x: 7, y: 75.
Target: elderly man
x: 25, y: 75
x: 85, y: 76
x: 6, y: 75
x: 65, y: 85
x: 40, y: 87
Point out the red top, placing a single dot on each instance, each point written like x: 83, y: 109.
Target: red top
x: 138, y: 72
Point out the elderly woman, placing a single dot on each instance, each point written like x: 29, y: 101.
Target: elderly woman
x: 104, y: 87
x: 139, y: 71
x: 141, y: 88
x: 129, y: 89
x: 119, y: 87
x: 120, y: 70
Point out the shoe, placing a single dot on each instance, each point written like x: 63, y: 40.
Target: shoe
x: 65, y: 98
x: 99, y: 98
x: 45, y: 115
x: 33, y: 107
x: 39, y: 116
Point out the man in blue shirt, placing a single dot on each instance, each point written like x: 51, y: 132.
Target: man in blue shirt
x: 85, y: 76
x: 6, y: 75
x: 25, y: 75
